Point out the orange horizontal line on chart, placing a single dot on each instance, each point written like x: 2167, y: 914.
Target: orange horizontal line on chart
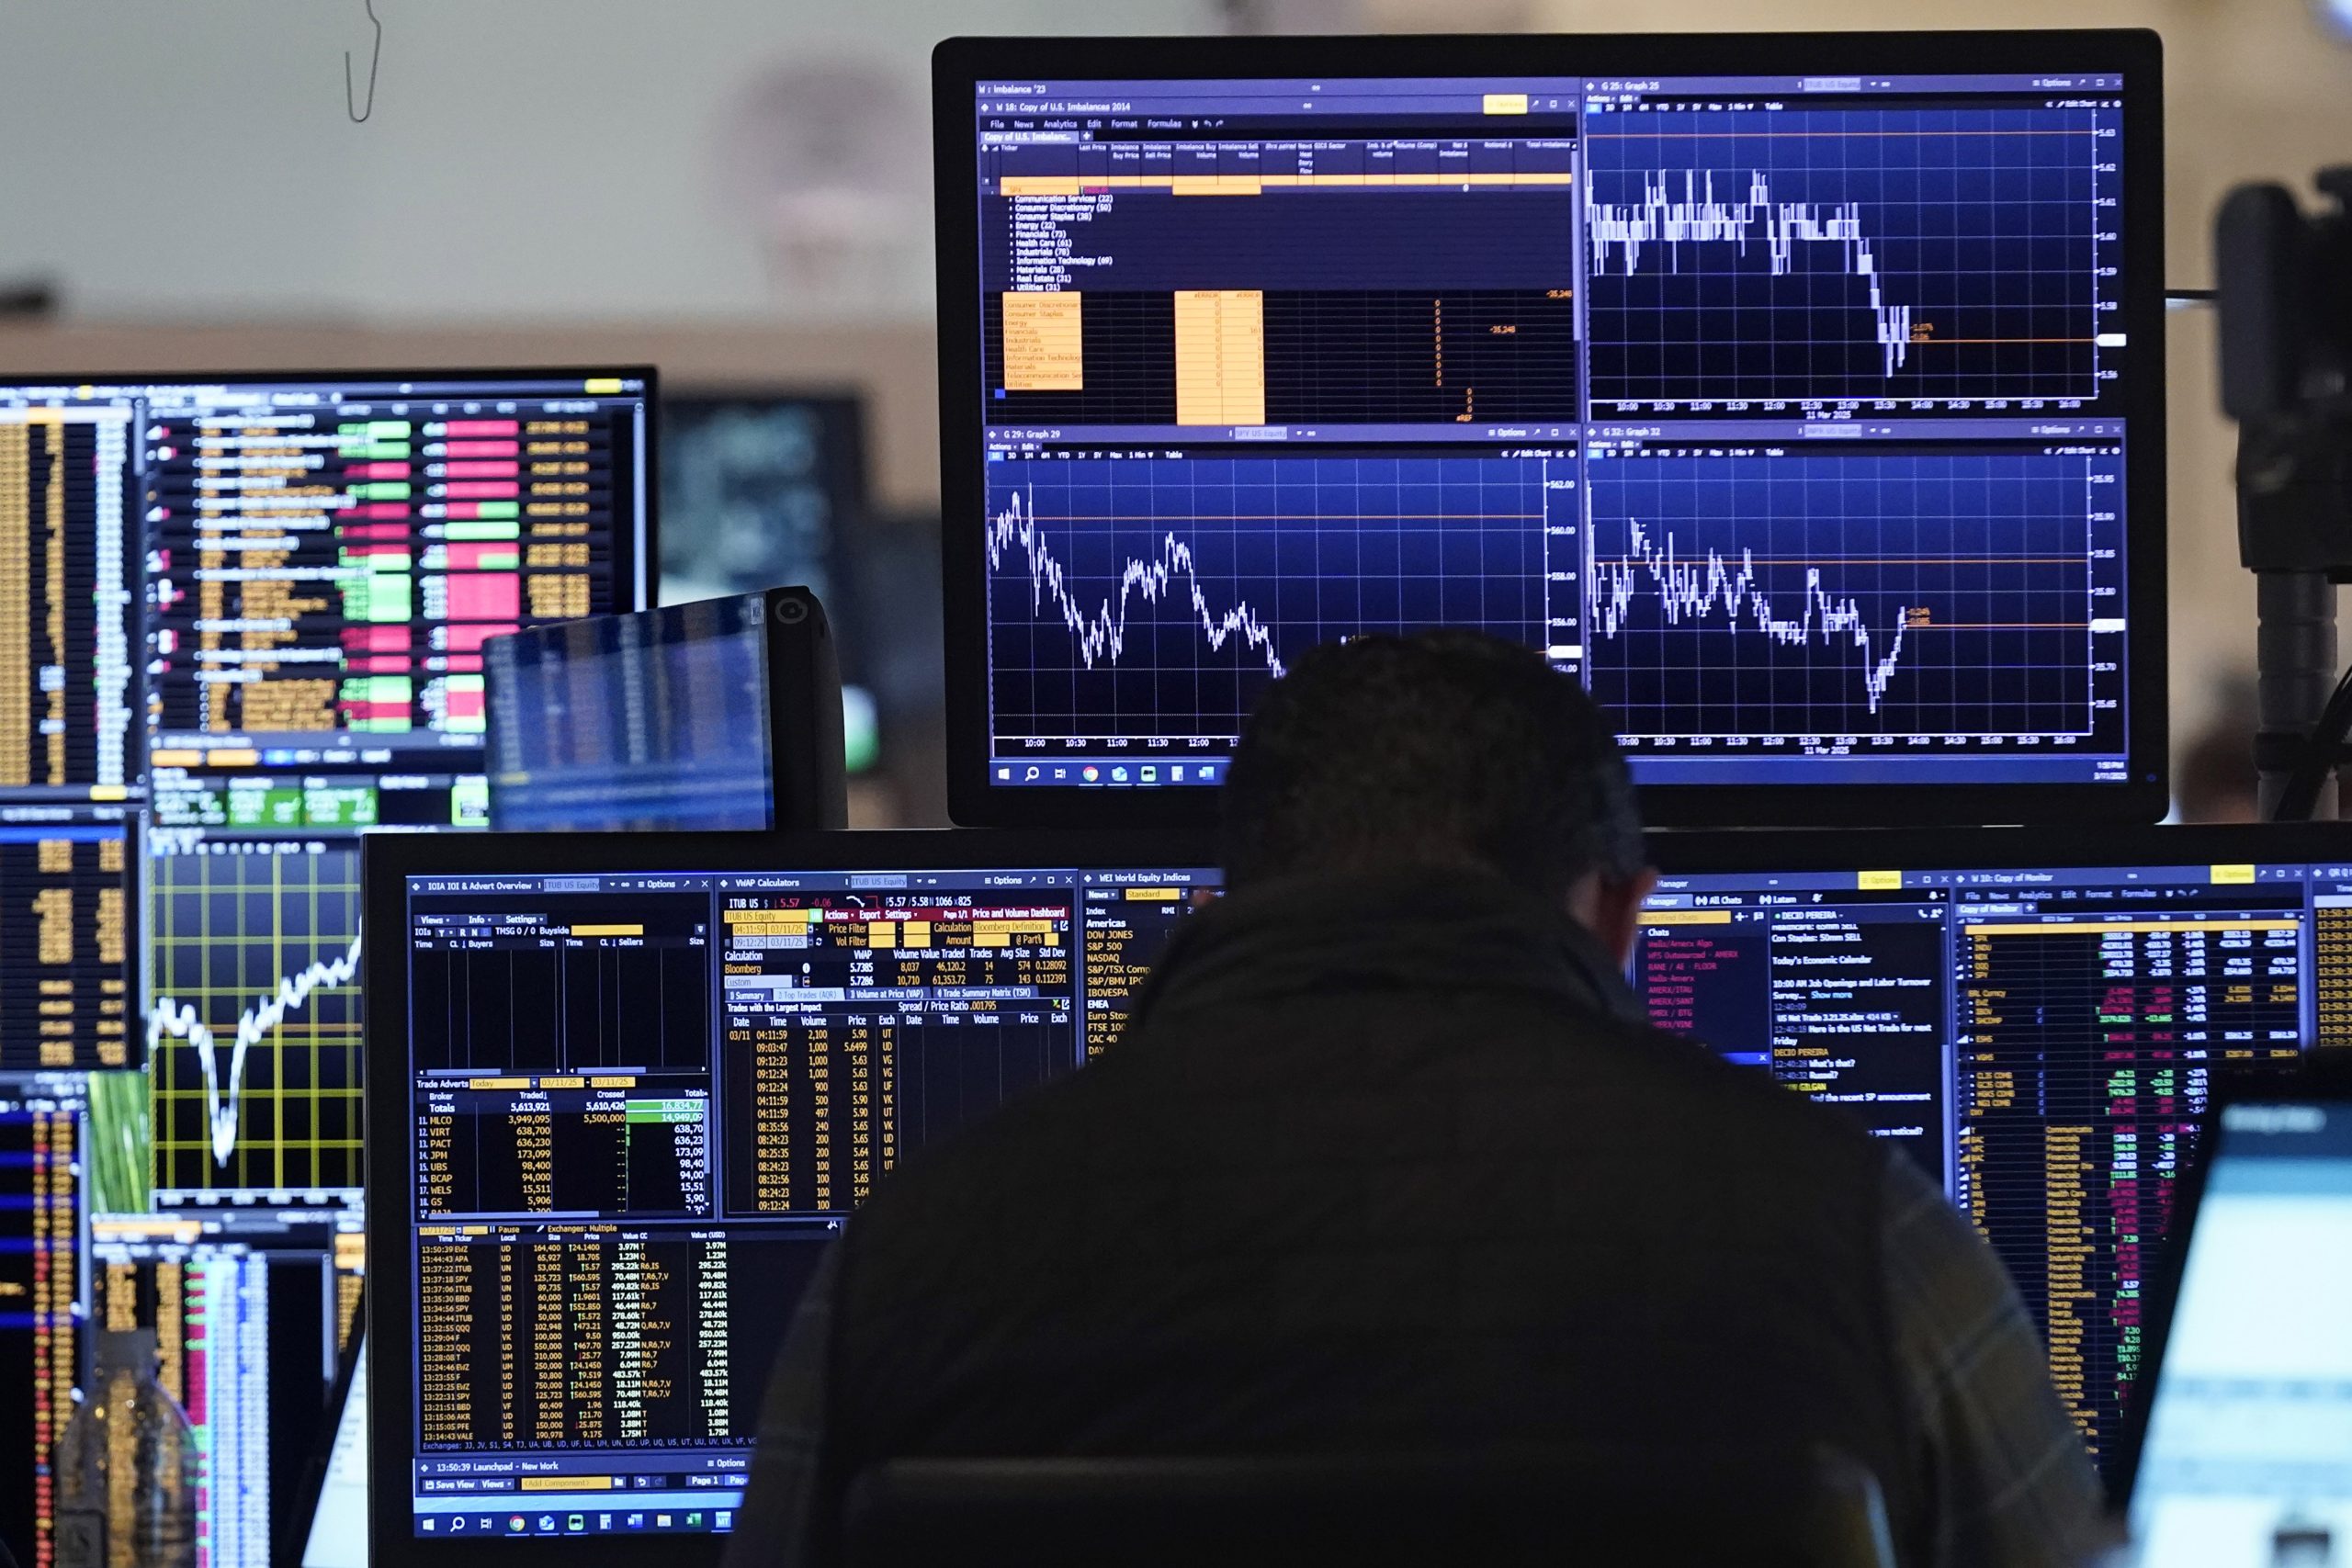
x: 1931, y: 342
x: 1998, y: 626
x: 1251, y: 184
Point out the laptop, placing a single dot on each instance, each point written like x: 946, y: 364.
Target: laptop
x: 2240, y: 1454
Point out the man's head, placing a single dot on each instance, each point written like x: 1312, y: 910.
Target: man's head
x: 1441, y: 749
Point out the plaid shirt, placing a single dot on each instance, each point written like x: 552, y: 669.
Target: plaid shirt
x: 2009, y: 1483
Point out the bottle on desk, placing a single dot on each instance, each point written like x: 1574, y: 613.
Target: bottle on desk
x: 126, y: 1466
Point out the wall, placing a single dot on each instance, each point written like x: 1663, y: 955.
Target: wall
x: 542, y: 157
x: 577, y: 170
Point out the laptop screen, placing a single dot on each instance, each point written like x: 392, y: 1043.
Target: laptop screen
x: 2248, y: 1454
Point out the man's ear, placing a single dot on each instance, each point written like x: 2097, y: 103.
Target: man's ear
x: 1611, y: 909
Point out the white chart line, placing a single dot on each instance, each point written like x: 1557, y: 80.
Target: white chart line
x: 1687, y: 589
x: 168, y: 1017
x: 1102, y: 634
x: 1699, y: 217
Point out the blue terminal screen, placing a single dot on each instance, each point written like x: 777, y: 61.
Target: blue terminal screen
x: 1786, y: 413
x: 656, y: 720
x: 739, y: 1054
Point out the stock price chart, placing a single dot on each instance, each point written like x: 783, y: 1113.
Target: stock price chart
x: 252, y: 1028
x: 1154, y: 598
x: 1773, y: 256
x: 1936, y: 593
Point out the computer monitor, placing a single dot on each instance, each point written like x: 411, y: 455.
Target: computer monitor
x: 767, y: 485
x: 1801, y: 394
x: 304, y: 566
x: 2244, y: 1458
x: 722, y: 714
x: 732, y: 1037
x: 760, y: 486
x: 2036, y: 1016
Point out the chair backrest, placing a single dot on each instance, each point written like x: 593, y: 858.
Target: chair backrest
x: 1555, y: 1507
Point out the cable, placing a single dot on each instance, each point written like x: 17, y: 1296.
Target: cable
x: 2322, y: 751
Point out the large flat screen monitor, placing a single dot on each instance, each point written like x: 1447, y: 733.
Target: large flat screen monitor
x: 266, y: 599
x: 1800, y: 394
x: 752, y: 1031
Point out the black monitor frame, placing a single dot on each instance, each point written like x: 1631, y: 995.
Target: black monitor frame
x: 958, y: 65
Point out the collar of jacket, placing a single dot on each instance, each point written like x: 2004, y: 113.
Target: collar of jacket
x: 1433, y: 929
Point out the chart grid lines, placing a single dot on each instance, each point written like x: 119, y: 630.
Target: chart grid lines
x: 1768, y: 596
x: 1729, y: 257
x: 229, y: 932
x: 1155, y: 599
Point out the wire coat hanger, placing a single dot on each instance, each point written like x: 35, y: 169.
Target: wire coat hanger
x: 360, y: 116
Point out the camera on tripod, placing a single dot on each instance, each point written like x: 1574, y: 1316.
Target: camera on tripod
x: 2283, y: 282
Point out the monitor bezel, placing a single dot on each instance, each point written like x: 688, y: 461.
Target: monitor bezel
x: 958, y: 65
x: 387, y: 860
x: 644, y: 549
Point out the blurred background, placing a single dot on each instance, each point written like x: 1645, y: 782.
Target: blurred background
x: 738, y: 192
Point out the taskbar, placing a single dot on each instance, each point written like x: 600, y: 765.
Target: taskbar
x: 1858, y: 764
x: 650, y: 1514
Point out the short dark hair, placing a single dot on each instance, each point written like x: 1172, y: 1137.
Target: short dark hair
x: 1443, y: 747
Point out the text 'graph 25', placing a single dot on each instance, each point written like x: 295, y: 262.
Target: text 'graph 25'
x: 1154, y: 598
x: 1914, y: 594
x: 254, y: 1027
x: 1879, y: 253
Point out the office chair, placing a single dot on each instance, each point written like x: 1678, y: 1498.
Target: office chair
x: 1561, y: 1508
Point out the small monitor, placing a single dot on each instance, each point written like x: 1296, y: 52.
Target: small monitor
x: 1802, y: 395
x: 721, y: 715
x: 2246, y: 1456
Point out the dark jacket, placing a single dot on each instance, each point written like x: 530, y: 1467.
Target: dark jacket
x: 1389, y: 1162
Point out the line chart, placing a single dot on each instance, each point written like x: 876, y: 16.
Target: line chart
x: 1152, y: 599
x: 252, y: 1026
x: 1947, y: 594
x: 1689, y: 592
x: 1853, y: 253
x: 1699, y: 217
